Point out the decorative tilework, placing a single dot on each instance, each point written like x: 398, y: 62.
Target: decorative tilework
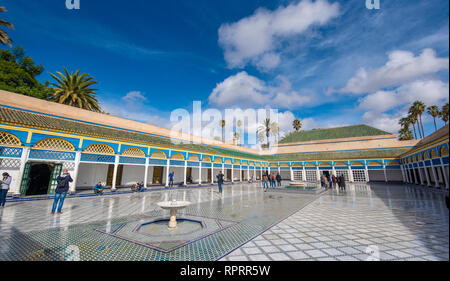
x: 51, y: 155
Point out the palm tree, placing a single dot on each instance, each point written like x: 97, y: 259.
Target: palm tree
x: 237, y: 137
x: 239, y: 124
x: 297, y: 124
x: 405, y: 122
x: 420, y: 109
x: 444, y: 113
x: 222, y: 124
x: 412, y: 120
x: 266, y: 128
x: 405, y: 134
x: 434, y: 112
x: 73, y: 89
x: 4, y: 37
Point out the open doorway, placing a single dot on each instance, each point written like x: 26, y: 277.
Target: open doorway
x: 39, y: 178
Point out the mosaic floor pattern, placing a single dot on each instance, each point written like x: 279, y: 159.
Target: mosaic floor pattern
x: 367, y: 222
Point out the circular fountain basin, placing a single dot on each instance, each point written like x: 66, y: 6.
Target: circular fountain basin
x: 173, y: 207
x: 296, y: 184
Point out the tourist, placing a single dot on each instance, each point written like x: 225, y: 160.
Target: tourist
x: 265, y: 183
x: 278, y: 178
x: 322, y: 181
x: 338, y: 181
x: 272, y: 181
x: 333, y: 179
x: 171, y: 179
x: 330, y: 182
x: 140, y: 186
x: 5, y: 182
x: 189, y: 180
x: 98, y: 188
x: 342, y: 182
x: 220, y: 180
x: 61, y: 190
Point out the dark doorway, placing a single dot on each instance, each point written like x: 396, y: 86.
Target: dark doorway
x: 39, y: 176
x: 209, y: 175
x: 326, y: 174
x: 228, y: 174
x: 109, y: 177
x: 157, y: 174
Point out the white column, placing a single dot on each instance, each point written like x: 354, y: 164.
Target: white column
x: 436, y: 180
x: 366, y: 172
x: 15, y: 190
x: 303, y: 173
x: 167, y: 172
x: 185, y: 173
x: 223, y: 170
x: 254, y: 172
x: 146, y: 173
x: 333, y: 170
x: 427, y: 176
x: 116, y: 165
x: 73, y: 185
x: 384, y: 172
x: 212, y: 173
x: 292, y: 173
x: 279, y: 170
x: 420, y: 174
x: 403, y: 173
x: 317, y: 173
x: 444, y: 174
x: 240, y: 172
x: 350, y: 174
x: 232, y: 172
x: 248, y: 172
x: 200, y: 173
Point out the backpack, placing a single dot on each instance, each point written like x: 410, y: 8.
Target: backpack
x: 61, y: 182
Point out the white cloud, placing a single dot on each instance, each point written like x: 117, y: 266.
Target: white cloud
x: 383, y: 121
x: 431, y: 92
x: 244, y: 90
x: 134, y: 96
x: 257, y: 37
x: 402, y: 67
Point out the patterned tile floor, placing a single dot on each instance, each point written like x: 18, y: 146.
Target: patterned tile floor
x: 367, y: 222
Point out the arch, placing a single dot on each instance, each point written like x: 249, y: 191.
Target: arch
x: 310, y: 164
x: 392, y: 163
x: 158, y: 154
x: 258, y: 164
x: 177, y: 156
x: 237, y: 162
x: 340, y: 164
x: 444, y: 151
x: 228, y: 161
x: 357, y: 163
x: 433, y: 153
x: 274, y: 165
x: 9, y: 139
x: 194, y: 157
x: 218, y: 160
x: 133, y: 152
x: 54, y: 144
x: 284, y: 165
x: 99, y: 148
x: 425, y: 156
x: 206, y: 159
x: 419, y: 157
x: 252, y: 164
x: 244, y: 163
x: 374, y: 163
x: 324, y: 164
x: 296, y: 165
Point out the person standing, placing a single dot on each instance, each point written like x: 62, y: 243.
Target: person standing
x: 272, y: 181
x: 342, y: 182
x: 265, y: 183
x: 330, y: 182
x: 61, y: 190
x: 5, y: 182
x: 220, y: 180
x: 171, y: 179
x: 333, y: 178
x: 278, y: 178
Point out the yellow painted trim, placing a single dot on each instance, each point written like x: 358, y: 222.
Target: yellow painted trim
x: 30, y: 134
x: 81, y: 144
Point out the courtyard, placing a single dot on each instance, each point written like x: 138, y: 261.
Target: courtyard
x: 374, y: 221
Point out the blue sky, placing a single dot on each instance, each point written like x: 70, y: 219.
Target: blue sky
x: 329, y: 63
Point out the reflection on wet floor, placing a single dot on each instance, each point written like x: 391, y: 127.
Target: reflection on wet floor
x: 401, y: 222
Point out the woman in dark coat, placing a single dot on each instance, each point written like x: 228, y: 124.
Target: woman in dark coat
x: 342, y: 182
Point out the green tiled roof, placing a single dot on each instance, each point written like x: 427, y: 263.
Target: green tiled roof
x: 339, y: 155
x: 333, y: 133
x: 24, y: 118
x: 53, y: 123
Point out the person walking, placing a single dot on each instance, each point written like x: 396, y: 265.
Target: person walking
x: 61, y: 190
x: 265, y: 183
x: 330, y: 182
x: 171, y: 178
x: 278, y: 178
x: 5, y: 182
x: 272, y: 181
x: 333, y: 179
x: 220, y: 181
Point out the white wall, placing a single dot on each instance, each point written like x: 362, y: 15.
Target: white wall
x: 132, y: 174
x: 376, y: 175
x: 90, y: 174
x: 396, y: 175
